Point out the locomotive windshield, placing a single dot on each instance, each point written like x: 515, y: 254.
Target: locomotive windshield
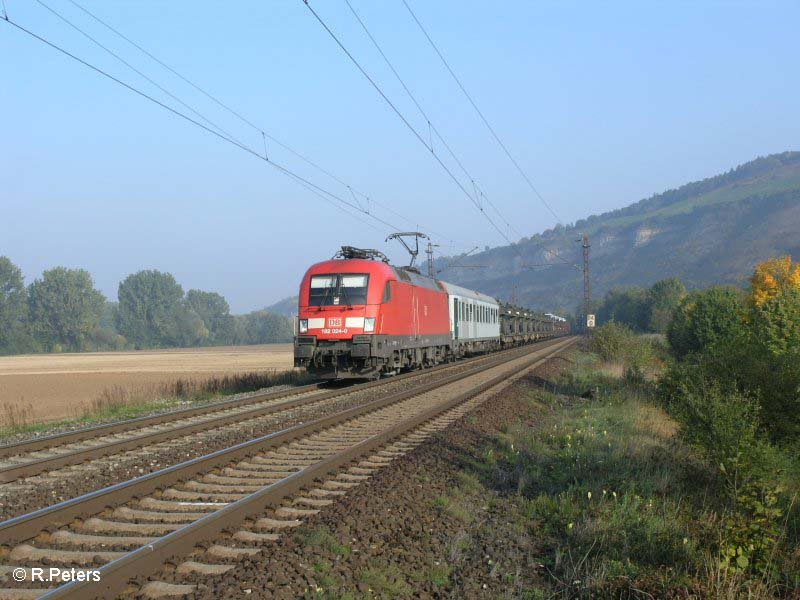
x: 338, y: 289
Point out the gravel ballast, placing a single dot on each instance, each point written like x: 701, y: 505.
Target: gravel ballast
x: 421, y: 527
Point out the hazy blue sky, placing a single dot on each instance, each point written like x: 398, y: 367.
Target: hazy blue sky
x: 602, y: 103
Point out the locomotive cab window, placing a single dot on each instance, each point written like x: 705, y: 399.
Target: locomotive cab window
x: 321, y: 288
x: 387, y: 292
x: 338, y: 290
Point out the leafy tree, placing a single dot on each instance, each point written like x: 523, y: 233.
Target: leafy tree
x: 149, y: 310
x: 64, y: 307
x: 108, y: 318
x: 773, y: 276
x: 752, y: 352
x: 662, y: 299
x: 774, y: 362
x: 189, y: 329
x: 262, y: 327
x: 710, y: 320
x: 626, y: 305
x: 776, y: 323
x: 13, y: 306
x: 213, y: 309
x: 105, y: 336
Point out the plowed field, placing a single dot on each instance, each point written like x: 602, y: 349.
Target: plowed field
x: 55, y: 386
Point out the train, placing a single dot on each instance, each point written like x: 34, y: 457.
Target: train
x: 361, y: 317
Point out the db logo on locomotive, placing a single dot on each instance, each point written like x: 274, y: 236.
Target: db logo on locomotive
x: 334, y: 322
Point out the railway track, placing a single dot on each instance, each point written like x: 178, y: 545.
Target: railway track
x: 209, y: 512
x: 40, y: 455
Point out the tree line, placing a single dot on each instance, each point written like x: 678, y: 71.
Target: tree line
x: 63, y: 311
x: 643, y: 310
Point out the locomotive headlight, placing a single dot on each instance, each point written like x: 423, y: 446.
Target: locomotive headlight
x: 303, y: 325
x: 369, y: 324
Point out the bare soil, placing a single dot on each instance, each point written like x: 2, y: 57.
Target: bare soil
x: 46, y: 387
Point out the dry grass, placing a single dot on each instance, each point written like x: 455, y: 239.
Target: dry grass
x: 654, y: 421
x: 52, y: 387
x: 727, y: 584
x: 116, y: 398
x: 16, y: 415
x: 123, y: 402
x: 614, y: 370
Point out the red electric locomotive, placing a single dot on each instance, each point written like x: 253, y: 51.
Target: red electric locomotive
x: 360, y: 317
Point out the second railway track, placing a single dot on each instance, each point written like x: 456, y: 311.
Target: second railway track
x: 41, y: 455
x: 133, y: 528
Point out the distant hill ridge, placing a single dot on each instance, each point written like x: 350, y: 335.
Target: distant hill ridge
x: 286, y: 307
x: 706, y: 232
x: 764, y: 175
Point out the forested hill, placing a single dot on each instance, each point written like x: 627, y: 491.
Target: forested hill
x: 286, y: 307
x: 707, y: 232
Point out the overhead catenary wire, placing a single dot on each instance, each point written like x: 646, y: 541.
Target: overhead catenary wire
x: 324, y: 193
x: 356, y: 215
x: 250, y: 123
x: 480, y: 114
x: 496, y: 210
x: 406, y: 122
x: 431, y: 126
x: 135, y: 70
x: 227, y: 135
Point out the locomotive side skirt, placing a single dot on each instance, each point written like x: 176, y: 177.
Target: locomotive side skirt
x: 369, y: 355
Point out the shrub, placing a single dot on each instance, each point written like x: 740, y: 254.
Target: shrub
x: 707, y: 321
x: 611, y: 340
x: 725, y: 425
x: 663, y: 298
x: 721, y: 422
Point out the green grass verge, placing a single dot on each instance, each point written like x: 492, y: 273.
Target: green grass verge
x: 622, y: 507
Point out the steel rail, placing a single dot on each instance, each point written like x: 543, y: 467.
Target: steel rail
x: 143, y: 561
x: 24, y: 527
x: 84, y: 433
x: 27, y: 469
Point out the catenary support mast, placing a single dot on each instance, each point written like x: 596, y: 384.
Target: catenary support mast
x: 587, y: 288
